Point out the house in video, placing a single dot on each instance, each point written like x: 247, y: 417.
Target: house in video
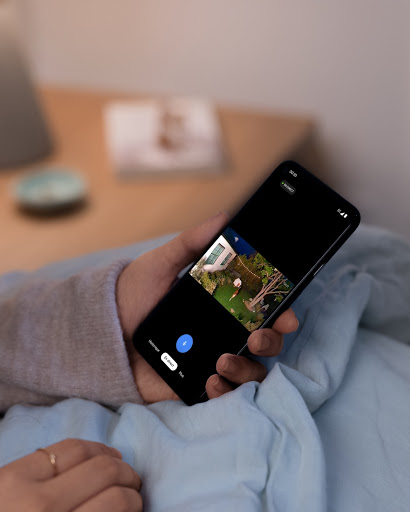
x: 218, y: 256
x: 244, y: 282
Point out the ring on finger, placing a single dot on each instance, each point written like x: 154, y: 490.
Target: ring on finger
x: 52, y: 458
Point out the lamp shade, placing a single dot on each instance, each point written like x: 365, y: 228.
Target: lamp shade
x: 23, y: 132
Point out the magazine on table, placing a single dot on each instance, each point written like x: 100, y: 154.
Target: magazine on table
x: 176, y: 135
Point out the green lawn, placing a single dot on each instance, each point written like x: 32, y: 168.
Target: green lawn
x: 223, y: 293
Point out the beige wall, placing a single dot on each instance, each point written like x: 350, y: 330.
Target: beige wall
x: 345, y: 62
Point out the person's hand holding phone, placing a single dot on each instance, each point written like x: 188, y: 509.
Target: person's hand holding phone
x: 144, y: 282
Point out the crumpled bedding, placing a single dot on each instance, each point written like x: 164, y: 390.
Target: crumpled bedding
x: 328, y: 429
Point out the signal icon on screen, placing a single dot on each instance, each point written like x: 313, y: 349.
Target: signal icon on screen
x: 343, y: 214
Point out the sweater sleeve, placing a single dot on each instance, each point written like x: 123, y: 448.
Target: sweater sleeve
x: 62, y: 338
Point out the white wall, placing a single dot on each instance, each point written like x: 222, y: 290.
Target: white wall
x: 345, y: 62
x: 227, y: 250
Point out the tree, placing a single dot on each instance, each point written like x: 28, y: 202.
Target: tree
x: 273, y: 281
x: 208, y: 282
x: 198, y: 269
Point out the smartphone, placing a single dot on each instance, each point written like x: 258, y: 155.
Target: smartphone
x: 252, y: 272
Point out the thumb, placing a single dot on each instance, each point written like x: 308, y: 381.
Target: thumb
x: 143, y: 283
x: 190, y: 244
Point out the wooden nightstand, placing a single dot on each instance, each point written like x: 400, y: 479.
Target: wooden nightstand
x: 123, y: 212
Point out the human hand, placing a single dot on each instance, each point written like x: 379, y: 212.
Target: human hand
x: 90, y: 477
x: 144, y: 282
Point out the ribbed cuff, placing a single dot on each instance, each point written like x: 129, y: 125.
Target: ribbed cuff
x: 113, y: 382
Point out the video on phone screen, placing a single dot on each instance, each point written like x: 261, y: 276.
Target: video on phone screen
x: 241, y: 279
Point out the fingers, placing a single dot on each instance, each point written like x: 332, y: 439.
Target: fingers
x: 287, y: 322
x: 236, y: 369
x: 99, y: 473
x: 269, y: 342
x: 239, y: 369
x: 69, y: 453
x: 186, y: 247
x: 265, y: 342
x: 217, y: 386
x: 114, y: 498
x: 85, y: 469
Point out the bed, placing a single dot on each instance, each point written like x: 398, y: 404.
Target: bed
x: 328, y: 429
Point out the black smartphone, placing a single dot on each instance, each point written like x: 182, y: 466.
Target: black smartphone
x: 253, y: 271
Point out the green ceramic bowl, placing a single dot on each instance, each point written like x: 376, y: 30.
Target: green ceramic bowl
x: 49, y: 190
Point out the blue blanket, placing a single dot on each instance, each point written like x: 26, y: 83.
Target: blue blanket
x: 328, y: 430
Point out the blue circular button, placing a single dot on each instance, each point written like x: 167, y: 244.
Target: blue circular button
x: 184, y: 343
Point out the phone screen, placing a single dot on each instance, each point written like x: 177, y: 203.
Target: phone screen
x: 249, y: 274
x: 241, y: 279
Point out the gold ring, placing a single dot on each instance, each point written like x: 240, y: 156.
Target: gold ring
x: 51, y: 457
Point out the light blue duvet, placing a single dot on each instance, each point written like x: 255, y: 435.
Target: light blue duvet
x: 328, y: 430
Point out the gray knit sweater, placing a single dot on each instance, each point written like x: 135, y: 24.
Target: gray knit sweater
x: 62, y: 338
